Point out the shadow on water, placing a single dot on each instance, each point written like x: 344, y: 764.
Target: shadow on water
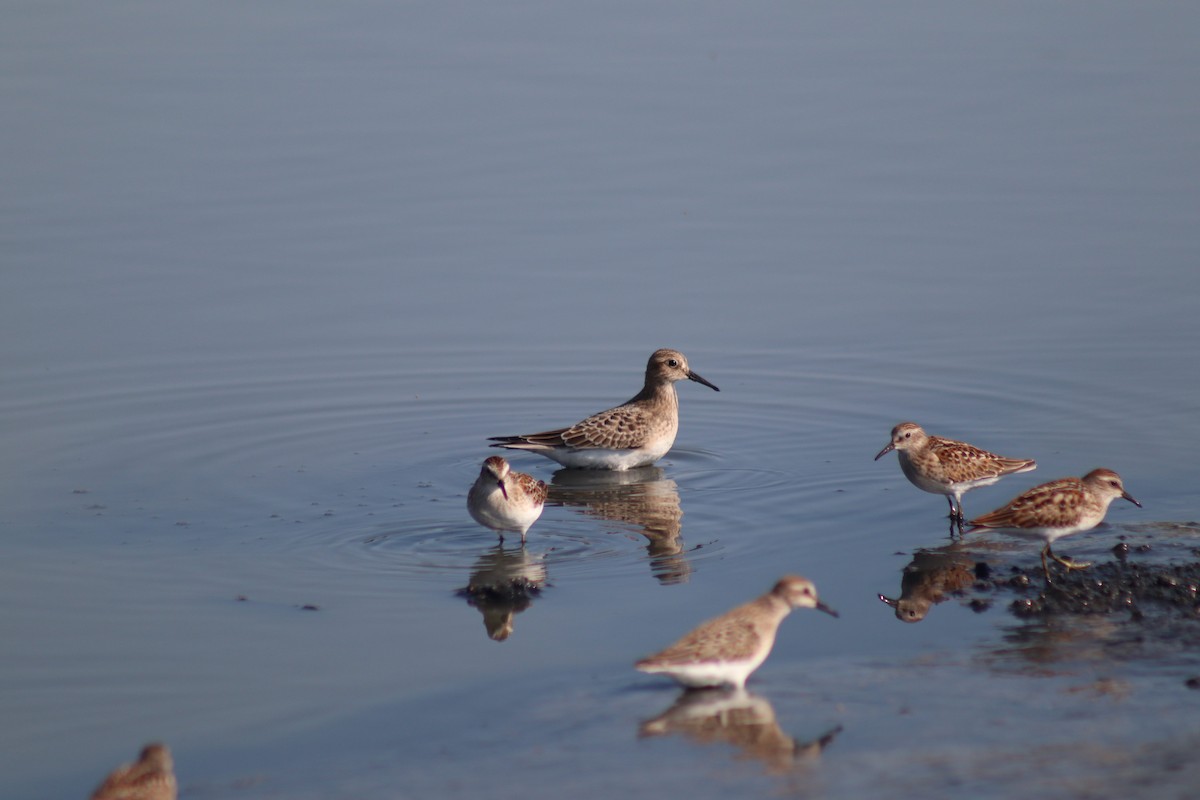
x: 929, y: 579
x: 741, y: 719
x: 643, y: 499
x: 503, y: 583
x: 1139, y: 601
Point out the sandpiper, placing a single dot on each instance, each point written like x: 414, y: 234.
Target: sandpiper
x: 504, y: 500
x: 947, y: 467
x: 726, y: 649
x: 1059, y: 508
x: 151, y: 777
x: 634, y: 434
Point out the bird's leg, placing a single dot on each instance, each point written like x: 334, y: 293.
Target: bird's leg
x: 1066, y: 562
x: 956, y: 517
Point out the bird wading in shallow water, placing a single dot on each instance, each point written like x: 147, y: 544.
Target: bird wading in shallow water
x: 726, y: 649
x: 948, y: 467
x: 634, y: 434
x: 1057, y: 509
x: 505, y: 500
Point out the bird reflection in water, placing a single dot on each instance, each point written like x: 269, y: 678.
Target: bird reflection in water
x: 503, y: 583
x: 642, y: 498
x: 741, y: 719
x: 151, y: 777
x: 1064, y: 645
x: 928, y: 579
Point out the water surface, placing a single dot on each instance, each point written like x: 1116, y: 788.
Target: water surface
x: 273, y: 275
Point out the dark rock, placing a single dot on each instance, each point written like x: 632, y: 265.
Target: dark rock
x: 1111, y: 587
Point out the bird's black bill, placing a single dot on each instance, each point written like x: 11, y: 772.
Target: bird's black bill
x: 891, y: 446
x: 692, y: 376
x: 827, y: 610
x: 503, y: 491
x: 1129, y: 497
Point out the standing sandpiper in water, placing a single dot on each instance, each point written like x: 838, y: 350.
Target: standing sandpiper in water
x: 726, y: 649
x: 634, y: 434
x: 1059, y: 508
x: 945, y: 466
x: 504, y: 500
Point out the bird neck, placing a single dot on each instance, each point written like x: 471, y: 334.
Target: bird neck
x: 657, y: 391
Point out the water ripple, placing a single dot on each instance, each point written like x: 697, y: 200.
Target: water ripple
x: 370, y: 455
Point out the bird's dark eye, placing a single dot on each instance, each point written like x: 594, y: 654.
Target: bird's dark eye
x: 671, y: 362
x: 908, y: 436
x: 1114, y: 484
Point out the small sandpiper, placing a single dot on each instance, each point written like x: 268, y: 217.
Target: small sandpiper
x: 151, y: 777
x: 1059, y: 508
x: 634, y: 434
x: 504, y: 500
x: 947, y: 467
x: 726, y: 649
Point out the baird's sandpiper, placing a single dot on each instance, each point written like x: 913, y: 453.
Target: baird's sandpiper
x: 634, y: 434
x: 726, y: 649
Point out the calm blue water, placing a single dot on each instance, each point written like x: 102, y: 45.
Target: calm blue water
x: 273, y: 274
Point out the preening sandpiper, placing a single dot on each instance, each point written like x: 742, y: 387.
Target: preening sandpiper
x: 505, y: 500
x: 1059, y: 508
x: 726, y: 649
x: 948, y: 467
x: 634, y: 434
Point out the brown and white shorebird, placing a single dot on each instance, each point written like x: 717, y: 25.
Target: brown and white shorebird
x: 151, y: 777
x: 634, y: 434
x: 504, y: 500
x: 1058, y: 508
x: 948, y: 467
x: 726, y: 649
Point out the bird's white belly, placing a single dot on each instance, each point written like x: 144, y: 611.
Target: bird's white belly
x: 603, y: 458
x: 919, y: 479
x: 496, y: 513
x: 714, y: 674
